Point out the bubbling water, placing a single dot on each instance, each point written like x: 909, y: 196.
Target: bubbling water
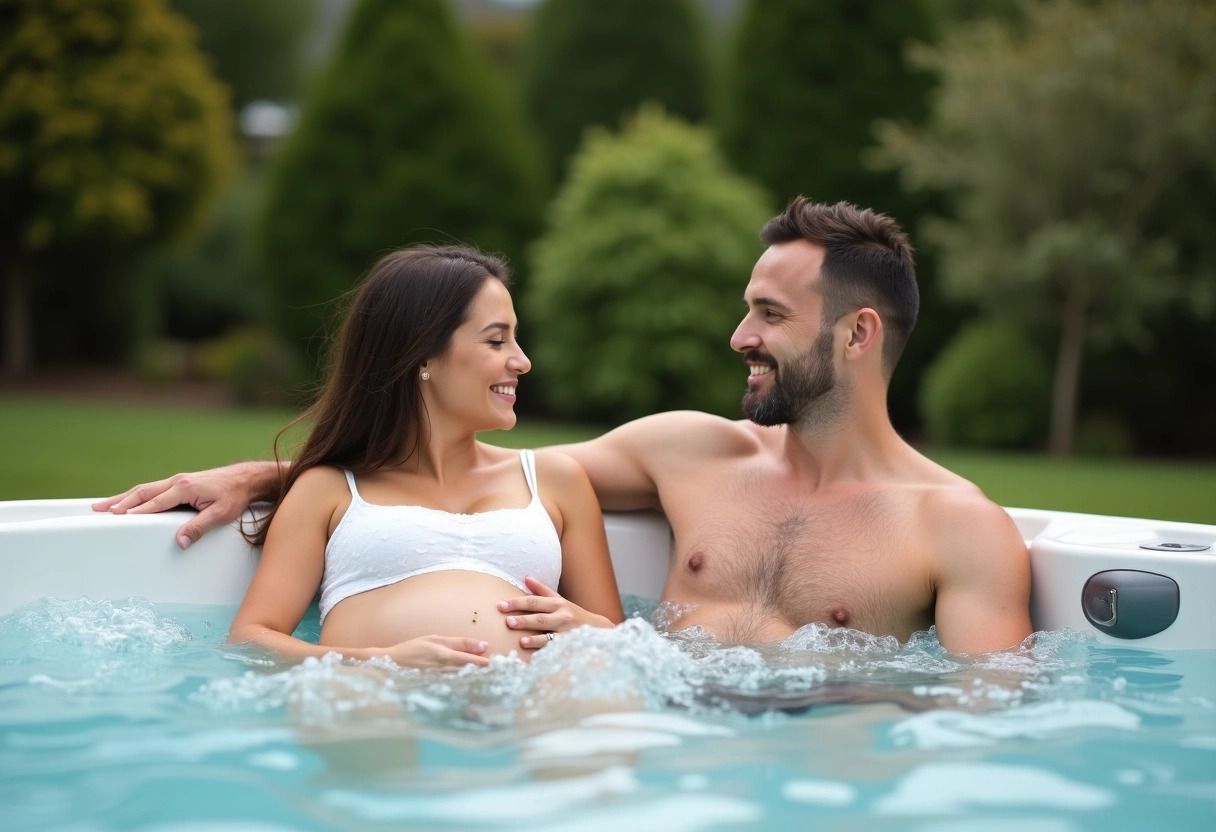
x: 91, y: 645
x: 635, y: 666
x: 85, y: 644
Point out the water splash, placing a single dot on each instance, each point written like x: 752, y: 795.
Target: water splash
x: 81, y: 648
x: 637, y: 666
x: 85, y: 630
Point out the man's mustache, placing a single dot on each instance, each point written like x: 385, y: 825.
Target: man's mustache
x: 758, y: 357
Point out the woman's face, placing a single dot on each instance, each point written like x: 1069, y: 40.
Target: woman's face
x: 474, y: 382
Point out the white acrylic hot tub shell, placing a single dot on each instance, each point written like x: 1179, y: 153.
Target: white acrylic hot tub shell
x: 62, y: 548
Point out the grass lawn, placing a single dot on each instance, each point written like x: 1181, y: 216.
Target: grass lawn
x: 58, y: 448
x: 55, y: 448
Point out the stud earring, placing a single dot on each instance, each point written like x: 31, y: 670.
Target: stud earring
x: 425, y: 375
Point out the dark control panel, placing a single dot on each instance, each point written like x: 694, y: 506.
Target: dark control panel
x: 1129, y: 603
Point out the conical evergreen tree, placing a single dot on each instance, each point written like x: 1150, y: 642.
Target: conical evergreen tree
x: 406, y: 137
x: 806, y: 82
x: 591, y: 65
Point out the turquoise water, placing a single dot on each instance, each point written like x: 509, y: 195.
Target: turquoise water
x: 126, y: 716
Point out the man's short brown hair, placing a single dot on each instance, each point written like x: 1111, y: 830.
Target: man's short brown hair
x: 867, y: 262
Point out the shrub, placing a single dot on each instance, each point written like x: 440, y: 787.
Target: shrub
x: 255, y: 364
x: 989, y: 387
x: 1103, y: 434
x: 159, y: 361
x: 639, y: 277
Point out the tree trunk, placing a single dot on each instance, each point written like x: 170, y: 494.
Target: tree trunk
x: 16, y: 323
x: 1067, y: 381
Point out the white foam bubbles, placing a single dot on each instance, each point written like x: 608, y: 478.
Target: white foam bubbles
x: 819, y: 792
x: 317, y: 689
x: 83, y: 630
x: 821, y: 638
x: 935, y: 730
x: 952, y: 788
x: 193, y: 748
x: 677, y: 813
x: 615, y: 733
x: 545, y: 800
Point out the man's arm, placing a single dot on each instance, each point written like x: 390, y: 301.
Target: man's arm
x: 613, y: 463
x: 983, y: 578
x: 622, y: 463
x: 219, y: 494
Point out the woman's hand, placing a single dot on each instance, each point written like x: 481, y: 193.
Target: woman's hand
x: 548, y: 612
x: 438, y: 652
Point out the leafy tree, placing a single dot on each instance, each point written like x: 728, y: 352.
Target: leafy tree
x: 112, y: 134
x: 1060, y: 142
x: 639, y: 277
x: 255, y: 44
x: 406, y: 137
x: 587, y: 66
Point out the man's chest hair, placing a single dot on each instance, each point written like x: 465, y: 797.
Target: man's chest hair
x: 808, y: 562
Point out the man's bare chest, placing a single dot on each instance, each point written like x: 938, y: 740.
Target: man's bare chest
x: 844, y: 557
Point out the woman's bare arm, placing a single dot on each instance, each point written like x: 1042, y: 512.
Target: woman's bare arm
x: 588, y: 590
x: 290, y: 570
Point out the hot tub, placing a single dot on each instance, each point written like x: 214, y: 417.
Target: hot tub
x: 1150, y: 583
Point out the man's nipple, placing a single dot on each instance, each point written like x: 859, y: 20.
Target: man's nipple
x: 696, y: 561
x: 840, y: 616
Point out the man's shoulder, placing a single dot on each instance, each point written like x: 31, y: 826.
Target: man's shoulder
x: 958, y: 500
x: 959, y: 519
x: 689, y: 431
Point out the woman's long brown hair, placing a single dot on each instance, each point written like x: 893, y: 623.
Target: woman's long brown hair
x: 370, y: 412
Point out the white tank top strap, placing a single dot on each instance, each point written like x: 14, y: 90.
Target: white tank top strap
x: 350, y: 480
x: 529, y: 462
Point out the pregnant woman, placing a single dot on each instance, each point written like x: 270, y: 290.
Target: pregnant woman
x: 407, y: 524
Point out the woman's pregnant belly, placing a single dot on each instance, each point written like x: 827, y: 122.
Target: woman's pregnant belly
x: 447, y: 603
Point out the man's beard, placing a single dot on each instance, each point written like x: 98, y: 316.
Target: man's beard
x: 800, y: 390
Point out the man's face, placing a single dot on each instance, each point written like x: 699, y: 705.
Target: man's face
x: 788, y: 350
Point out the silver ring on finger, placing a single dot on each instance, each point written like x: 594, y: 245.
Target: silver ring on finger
x: 550, y: 636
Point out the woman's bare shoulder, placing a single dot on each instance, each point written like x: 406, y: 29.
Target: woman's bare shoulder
x: 557, y: 464
x: 320, y: 482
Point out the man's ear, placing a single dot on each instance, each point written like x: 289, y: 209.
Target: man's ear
x: 864, y: 335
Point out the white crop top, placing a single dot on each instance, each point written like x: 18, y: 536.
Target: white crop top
x: 377, y: 545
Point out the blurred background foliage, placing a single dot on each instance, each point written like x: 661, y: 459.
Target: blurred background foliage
x: 187, y: 185
x: 406, y: 136
x: 648, y: 237
x: 585, y: 67
x: 113, y: 136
